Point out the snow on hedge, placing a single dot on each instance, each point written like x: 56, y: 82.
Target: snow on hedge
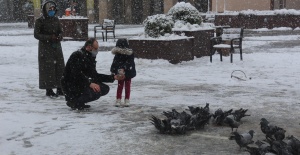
x: 158, y: 25
x: 185, y: 12
x: 186, y: 17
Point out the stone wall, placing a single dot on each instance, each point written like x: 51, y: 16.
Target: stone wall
x: 175, y: 51
x: 258, y: 21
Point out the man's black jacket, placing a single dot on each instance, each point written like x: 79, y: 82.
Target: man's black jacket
x: 79, y: 72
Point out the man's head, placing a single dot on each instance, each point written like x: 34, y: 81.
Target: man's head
x: 91, y: 45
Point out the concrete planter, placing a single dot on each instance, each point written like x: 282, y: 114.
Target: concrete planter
x: 74, y: 29
x: 202, y: 41
x: 175, y: 51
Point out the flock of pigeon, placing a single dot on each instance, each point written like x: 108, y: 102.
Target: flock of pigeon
x: 275, y: 143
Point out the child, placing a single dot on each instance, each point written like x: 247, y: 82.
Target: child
x: 123, y: 63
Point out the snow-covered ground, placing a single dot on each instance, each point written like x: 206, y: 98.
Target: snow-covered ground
x: 31, y: 123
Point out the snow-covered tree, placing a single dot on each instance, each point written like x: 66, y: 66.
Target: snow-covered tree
x: 158, y: 25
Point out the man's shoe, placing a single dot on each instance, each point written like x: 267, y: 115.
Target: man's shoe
x: 71, y: 105
x: 59, y: 92
x: 82, y: 106
x: 86, y: 106
x: 118, y: 103
x: 126, y: 103
x: 50, y: 93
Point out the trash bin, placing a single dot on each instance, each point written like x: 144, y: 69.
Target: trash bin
x: 30, y: 20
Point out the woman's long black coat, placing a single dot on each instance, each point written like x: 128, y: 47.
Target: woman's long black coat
x: 50, y: 56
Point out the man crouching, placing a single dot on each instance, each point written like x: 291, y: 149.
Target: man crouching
x: 81, y: 82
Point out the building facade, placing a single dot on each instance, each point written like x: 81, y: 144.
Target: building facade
x: 238, y: 5
x: 133, y: 11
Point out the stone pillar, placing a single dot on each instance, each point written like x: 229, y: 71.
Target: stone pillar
x: 128, y: 12
x: 90, y: 10
x: 37, y: 8
x: 146, y: 8
x: 168, y: 4
x: 103, y: 8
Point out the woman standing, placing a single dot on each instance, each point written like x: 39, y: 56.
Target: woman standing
x: 50, y: 57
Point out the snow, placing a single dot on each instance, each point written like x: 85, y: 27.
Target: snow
x: 180, y: 26
x: 31, y: 123
x: 73, y: 17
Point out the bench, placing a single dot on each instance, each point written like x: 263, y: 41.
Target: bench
x: 227, y: 39
x: 108, y: 26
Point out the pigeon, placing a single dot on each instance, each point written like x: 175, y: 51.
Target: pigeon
x: 198, y: 121
x: 238, y: 114
x: 233, y: 124
x: 197, y: 110
x: 206, y: 108
x: 163, y: 126
x: 279, y: 147
x: 171, y: 114
x: 293, y: 144
x: 253, y: 150
x: 279, y: 134
x: 243, y: 139
x: 263, y: 147
x: 269, y: 130
x: 194, y: 110
x: 220, y: 116
x: 177, y: 123
x: 169, y: 126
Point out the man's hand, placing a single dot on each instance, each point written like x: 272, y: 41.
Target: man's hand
x: 54, y: 38
x: 95, y: 87
x: 60, y: 37
x: 119, y: 77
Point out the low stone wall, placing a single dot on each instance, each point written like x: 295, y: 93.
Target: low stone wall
x: 258, y: 21
x: 175, y: 51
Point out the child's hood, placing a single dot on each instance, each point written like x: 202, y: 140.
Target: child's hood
x: 125, y: 51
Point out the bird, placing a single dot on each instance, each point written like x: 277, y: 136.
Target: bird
x: 269, y: 130
x: 243, y: 139
x: 233, y: 124
x: 263, y: 147
x: 175, y: 122
x: 196, y: 110
x: 219, y: 116
x: 253, y: 150
x: 198, y: 121
x: 163, y: 126
x: 279, y: 147
x: 279, y: 134
x: 239, y: 114
x: 293, y: 144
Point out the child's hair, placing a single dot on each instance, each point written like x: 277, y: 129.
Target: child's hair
x: 122, y: 43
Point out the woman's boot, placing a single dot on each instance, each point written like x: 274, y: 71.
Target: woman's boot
x: 50, y: 93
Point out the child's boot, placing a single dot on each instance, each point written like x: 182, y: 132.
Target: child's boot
x: 126, y: 103
x: 118, y: 103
